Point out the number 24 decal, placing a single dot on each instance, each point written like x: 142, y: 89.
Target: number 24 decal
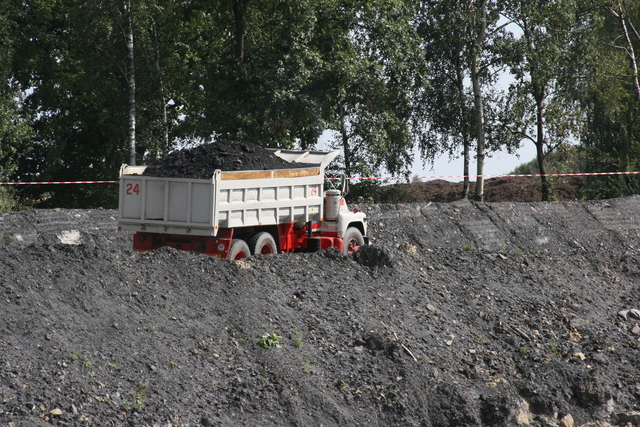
x: 132, y: 189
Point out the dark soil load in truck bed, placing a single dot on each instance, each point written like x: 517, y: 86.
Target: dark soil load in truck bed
x: 200, y: 162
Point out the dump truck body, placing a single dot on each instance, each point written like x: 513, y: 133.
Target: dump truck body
x: 206, y: 215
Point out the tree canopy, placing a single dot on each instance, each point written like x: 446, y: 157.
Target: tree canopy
x: 89, y: 85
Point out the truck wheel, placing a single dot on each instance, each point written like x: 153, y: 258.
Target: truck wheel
x: 352, y: 241
x: 239, y: 250
x: 262, y: 243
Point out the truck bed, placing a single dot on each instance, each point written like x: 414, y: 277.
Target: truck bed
x: 228, y: 200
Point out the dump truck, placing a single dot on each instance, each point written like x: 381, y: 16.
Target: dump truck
x: 236, y: 214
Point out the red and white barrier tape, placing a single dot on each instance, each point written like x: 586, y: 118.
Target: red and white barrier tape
x: 58, y: 182
x: 369, y: 178
x: 496, y: 176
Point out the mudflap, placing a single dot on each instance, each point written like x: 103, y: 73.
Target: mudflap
x: 216, y: 246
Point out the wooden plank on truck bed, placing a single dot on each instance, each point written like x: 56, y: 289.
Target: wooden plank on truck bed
x: 228, y: 176
x: 293, y: 173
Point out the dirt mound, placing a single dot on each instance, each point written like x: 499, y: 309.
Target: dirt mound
x: 467, y: 314
x: 200, y: 162
x: 502, y: 189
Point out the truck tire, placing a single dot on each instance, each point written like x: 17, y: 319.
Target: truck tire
x: 352, y: 241
x: 263, y: 243
x: 239, y: 250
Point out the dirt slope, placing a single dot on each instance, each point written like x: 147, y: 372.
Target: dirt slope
x: 459, y: 314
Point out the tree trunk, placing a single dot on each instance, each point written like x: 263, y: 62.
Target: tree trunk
x: 540, y: 154
x: 131, y: 81
x: 239, y: 7
x: 345, y: 141
x: 163, y: 99
x: 632, y: 55
x: 477, y: 96
x: 464, y: 128
x: 621, y: 15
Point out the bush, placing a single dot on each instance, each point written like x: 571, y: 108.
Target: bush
x: 9, y: 200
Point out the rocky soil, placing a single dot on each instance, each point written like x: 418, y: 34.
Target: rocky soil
x: 459, y: 314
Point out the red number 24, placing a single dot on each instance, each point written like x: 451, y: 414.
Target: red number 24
x: 133, y: 189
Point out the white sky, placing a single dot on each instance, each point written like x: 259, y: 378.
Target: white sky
x: 500, y: 163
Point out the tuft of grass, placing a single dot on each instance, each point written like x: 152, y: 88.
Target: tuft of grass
x: 297, y: 338
x: 342, y: 386
x: 140, y: 396
x: 86, y: 363
x: 468, y: 247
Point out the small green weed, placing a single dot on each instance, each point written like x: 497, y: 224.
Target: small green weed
x: 9, y: 238
x: 140, y: 396
x: 468, y: 247
x: 297, y: 338
x: 270, y: 341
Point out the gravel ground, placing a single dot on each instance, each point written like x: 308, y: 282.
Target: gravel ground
x: 459, y: 314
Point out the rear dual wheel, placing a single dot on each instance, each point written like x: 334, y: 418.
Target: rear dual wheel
x: 239, y: 250
x: 263, y: 243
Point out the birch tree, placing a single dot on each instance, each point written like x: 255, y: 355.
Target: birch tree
x: 544, y: 111
x: 622, y: 11
x: 462, y: 42
x: 447, y: 105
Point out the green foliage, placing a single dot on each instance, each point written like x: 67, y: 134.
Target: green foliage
x: 139, y: 398
x: 297, y: 338
x: 383, y: 76
x: 612, y: 133
x: 565, y: 159
x: 9, y: 238
x: 374, y: 71
x: 270, y: 341
x: 8, y: 201
x: 86, y: 363
x: 543, y: 108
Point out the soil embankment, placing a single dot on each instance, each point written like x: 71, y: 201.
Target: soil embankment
x: 459, y: 314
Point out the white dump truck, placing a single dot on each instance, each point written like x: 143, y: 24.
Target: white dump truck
x: 236, y: 214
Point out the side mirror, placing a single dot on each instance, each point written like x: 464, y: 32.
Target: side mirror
x: 344, y: 185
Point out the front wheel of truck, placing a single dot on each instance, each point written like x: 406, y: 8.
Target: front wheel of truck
x: 352, y: 241
x: 239, y: 250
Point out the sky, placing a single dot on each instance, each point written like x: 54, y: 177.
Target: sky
x: 499, y: 163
